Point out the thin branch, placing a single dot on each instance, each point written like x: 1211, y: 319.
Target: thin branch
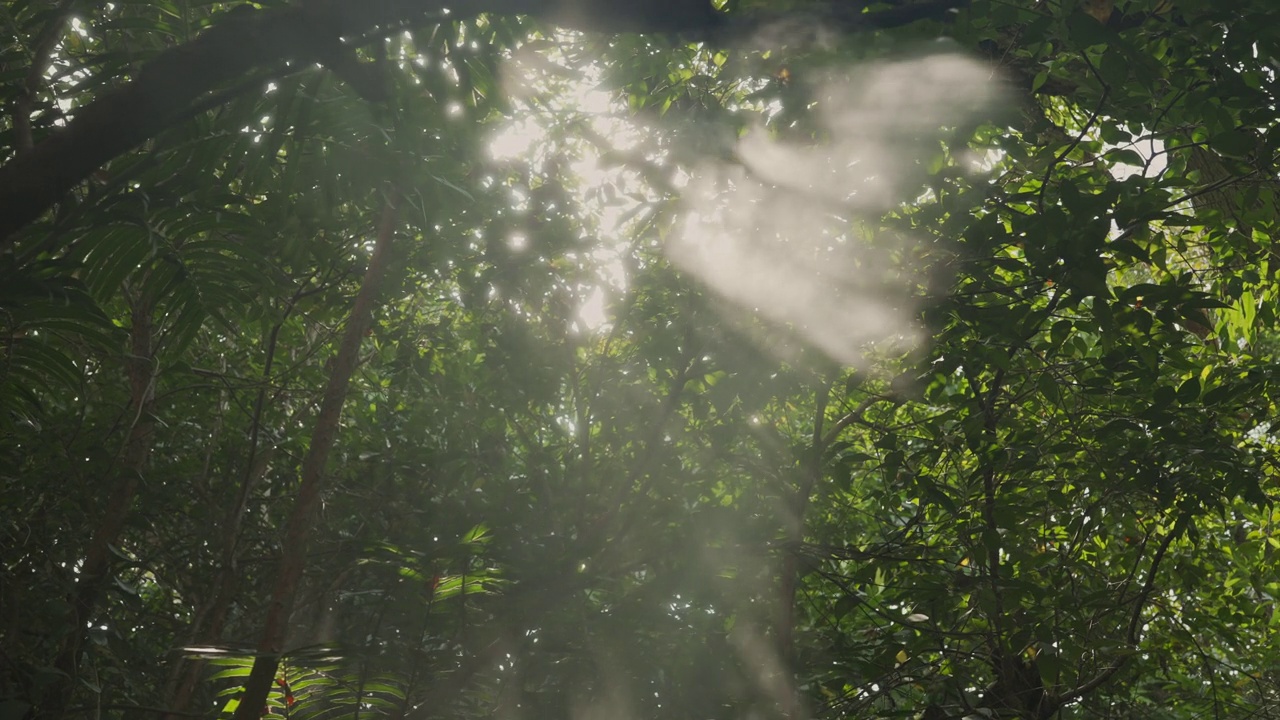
x: 1135, y: 619
x: 857, y: 415
x: 1093, y: 118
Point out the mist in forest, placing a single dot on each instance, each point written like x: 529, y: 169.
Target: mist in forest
x: 792, y: 231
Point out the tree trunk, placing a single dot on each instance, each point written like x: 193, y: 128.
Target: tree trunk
x: 293, y: 554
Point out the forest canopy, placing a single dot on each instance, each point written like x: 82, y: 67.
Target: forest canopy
x: 513, y: 359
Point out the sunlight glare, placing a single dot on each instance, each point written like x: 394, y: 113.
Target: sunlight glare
x: 553, y: 95
x: 517, y: 140
x: 592, y: 315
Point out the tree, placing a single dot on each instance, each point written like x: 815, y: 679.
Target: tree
x: 753, y: 362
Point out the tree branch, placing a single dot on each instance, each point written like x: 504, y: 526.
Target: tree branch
x: 1131, y: 635
x: 323, y: 31
x: 293, y: 552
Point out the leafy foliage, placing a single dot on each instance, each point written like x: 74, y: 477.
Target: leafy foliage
x: 574, y: 475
